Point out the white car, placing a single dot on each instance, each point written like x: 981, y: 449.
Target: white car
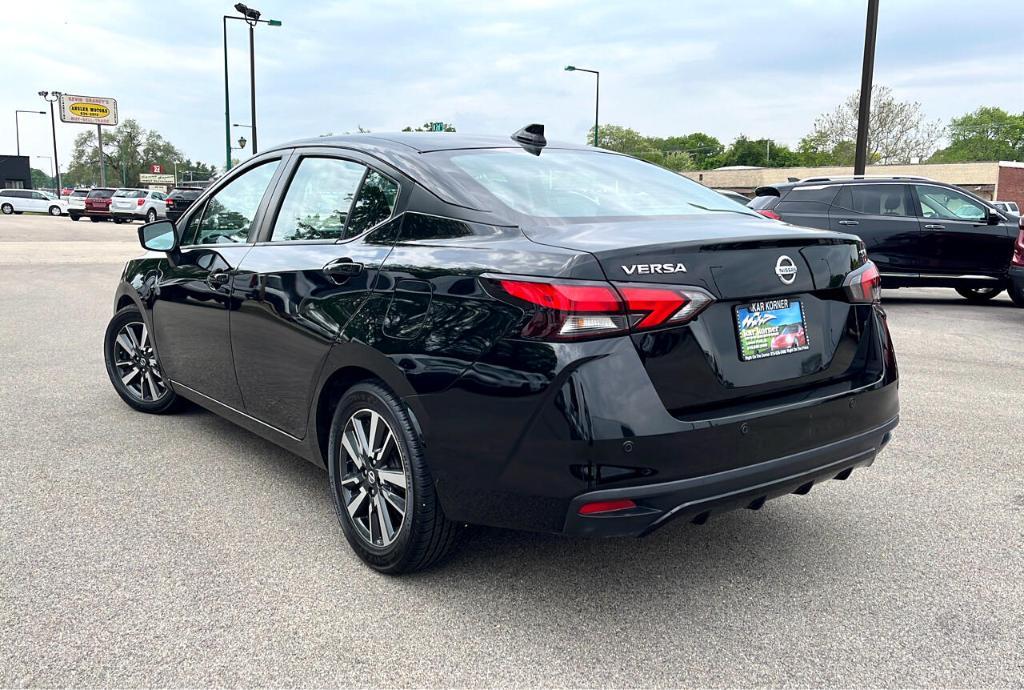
x: 31, y: 200
x: 1007, y: 206
x: 141, y: 204
x: 76, y: 203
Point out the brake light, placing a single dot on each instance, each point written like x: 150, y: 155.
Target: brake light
x: 582, y: 309
x: 600, y: 507
x: 169, y: 201
x: 1018, y: 246
x: 768, y: 213
x: 141, y: 202
x: 864, y: 286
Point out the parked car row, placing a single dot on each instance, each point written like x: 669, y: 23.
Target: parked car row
x: 919, y: 232
x: 119, y: 205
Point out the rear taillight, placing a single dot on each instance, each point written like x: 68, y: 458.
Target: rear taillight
x: 169, y: 202
x: 768, y: 213
x: 1018, y: 246
x: 141, y: 202
x: 864, y: 286
x: 571, y: 310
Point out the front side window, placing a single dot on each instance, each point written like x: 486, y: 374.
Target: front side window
x: 875, y: 199
x: 229, y: 213
x: 562, y: 183
x: 374, y: 204
x: 317, y: 204
x: 940, y: 202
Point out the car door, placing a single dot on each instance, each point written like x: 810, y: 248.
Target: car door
x: 956, y: 236
x: 883, y: 216
x: 194, y: 292
x: 38, y: 202
x: 317, y: 261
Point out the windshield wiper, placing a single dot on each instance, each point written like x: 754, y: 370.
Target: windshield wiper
x: 723, y: 210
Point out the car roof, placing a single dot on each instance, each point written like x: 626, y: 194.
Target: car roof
x: 419, y: 142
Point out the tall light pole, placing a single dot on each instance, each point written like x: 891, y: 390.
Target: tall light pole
x: 597, y: 94
x: 17, y: 132
x: 866, y: 77
x: 51, y: 97
x: 251, y: 17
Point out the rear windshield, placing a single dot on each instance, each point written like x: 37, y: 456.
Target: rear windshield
x: 80, y: 192
x: 189, y: 194
x: 766, y: 201
x: 101, y: 193
x: 562, y: 183
x: 131, y: 193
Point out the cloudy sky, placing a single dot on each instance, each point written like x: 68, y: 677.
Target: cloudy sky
x: 764, y: 69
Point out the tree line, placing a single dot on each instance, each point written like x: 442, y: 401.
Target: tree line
x: 899, y: 133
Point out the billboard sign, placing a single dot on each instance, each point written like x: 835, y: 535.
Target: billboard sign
x: 152, y: 178
x: 156, y: 168
x: 88, y: 110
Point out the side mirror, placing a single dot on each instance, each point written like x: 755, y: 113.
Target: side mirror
x: 158, y: 236
x: 995, y: 218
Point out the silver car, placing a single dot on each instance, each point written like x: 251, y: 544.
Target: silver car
x: 140, y: 204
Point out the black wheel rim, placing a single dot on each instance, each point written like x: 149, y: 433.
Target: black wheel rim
x: 136, y: 365
x: 374, y: 488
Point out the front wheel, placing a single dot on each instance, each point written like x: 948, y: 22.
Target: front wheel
x: 132, y: 364
x: 978, y: 295
x: 55, y: 210
x: 151, y: 215
x: 381, y: 485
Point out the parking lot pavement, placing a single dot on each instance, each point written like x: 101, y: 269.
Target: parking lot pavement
x: 181, y: 550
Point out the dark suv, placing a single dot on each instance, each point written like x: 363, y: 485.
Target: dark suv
x: 920, y: 233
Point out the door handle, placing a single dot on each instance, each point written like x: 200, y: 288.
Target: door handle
x: 218, y: 278
x: 343, y: 269
x: 933, y: 226
x: 849, y: 222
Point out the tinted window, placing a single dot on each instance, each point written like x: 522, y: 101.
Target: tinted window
x: 228, y: 215
x: 940, y: 202
x: 80, y: 192
x: 39, y: 196
x: 131, y: 193
x: 584, y: 184
x: 375, y: 203
x: 766, y: 201
x: 822, y: 194
x: 101, y: 193
x: 876, y: 199
x: 318, y: 200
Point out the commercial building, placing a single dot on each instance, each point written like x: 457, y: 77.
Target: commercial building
x: 15, y: 172
x: 1002, y: 180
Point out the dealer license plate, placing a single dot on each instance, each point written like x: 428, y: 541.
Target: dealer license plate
x: 770, y: 327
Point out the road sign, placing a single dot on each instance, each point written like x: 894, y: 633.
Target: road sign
x: 88, y: 110
x: 151, y: 178
x: 156, y: 168
x: 436, y: 126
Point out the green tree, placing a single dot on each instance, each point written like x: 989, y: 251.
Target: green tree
x: 424, y: 128
x: 987, y: 134
x: 652, y: 149
x: 41, y: 180
x: 897, y: 132
x: 762, y: 153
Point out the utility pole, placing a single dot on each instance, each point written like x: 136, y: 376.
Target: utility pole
x: 103, y: 165
x: 252, y: 84
x: 51, y: 97
x: 866, y: 77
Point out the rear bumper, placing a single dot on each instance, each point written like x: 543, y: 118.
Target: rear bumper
x: 128, y: 215
x: 698, y: 498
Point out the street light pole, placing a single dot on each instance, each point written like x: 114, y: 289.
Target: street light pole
x: 252, y: 85
x: 17, y: 132
x: 597, y: 94
x: 866, y: 77
x: 251, y: 17
x: 227, y: 102
x: 50, y: 97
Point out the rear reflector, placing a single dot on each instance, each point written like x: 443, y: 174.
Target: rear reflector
x: 864, y: 286
x: 582, y: 309
x: 767, y: 213
x: 601, y: 507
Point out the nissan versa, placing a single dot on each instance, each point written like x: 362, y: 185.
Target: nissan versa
x: 508, y: 332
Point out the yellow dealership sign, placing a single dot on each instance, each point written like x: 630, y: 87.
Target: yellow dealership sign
x: 88, y: 110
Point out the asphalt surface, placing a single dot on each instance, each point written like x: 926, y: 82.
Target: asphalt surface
x: 183, y: 551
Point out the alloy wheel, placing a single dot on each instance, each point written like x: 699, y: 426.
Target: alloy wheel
x: 136, y: 363
x: 374, y: 489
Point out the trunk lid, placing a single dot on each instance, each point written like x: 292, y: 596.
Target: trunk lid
x: 699, y: 367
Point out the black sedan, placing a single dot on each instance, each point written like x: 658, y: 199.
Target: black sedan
x: 508, y: 332
x: 179, y: 200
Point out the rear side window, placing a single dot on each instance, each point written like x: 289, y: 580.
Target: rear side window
x: 876, y: 199
x: 374, y: 204
x: 763, y: 202
x: 317, y: 204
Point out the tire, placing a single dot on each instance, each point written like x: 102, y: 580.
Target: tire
x: 978, y: 295
x: 74, y: 217
x: 55, y: 211
x: 424, y: 535
x: 126, y: 333
x: 94, y: 219
x: 119, y: 220
x: 151, y: 215
x: 6, y: 209
x: 1016, y: 293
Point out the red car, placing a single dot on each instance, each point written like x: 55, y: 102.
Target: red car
x: 97, y: 204
x: 792, y: 336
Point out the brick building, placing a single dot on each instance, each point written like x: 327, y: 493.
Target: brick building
x: 1003, y: 180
